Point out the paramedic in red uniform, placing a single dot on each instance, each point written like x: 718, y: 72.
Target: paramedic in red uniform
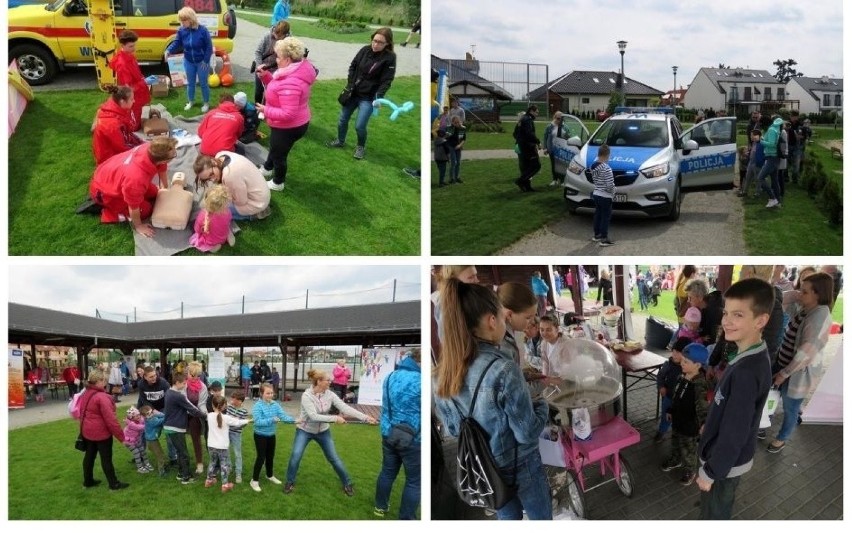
x: 123, y: 185
x: 221, y: 128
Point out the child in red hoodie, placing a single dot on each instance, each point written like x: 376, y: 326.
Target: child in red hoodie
x: 221, y: 128
x: 127, y: 72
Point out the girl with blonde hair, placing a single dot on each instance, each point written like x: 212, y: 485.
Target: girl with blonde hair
x: 213, y: 224
x: 314, y: 420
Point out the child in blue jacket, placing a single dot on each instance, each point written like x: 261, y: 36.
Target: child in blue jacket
x: 666, y: 380
x: 267, y: 413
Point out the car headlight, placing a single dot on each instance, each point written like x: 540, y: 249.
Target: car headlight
x: 575, y: 167
x: 657, y: 171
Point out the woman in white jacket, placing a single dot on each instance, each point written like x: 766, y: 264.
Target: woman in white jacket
x: 313, y: 424
x: 244, y: 181
x: 800, y: 356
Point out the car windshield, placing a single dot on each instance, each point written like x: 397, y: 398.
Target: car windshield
x: 53, y: 6
x: 644, y: 133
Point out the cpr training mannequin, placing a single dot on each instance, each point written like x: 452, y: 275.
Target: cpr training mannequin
x: 173, y: 205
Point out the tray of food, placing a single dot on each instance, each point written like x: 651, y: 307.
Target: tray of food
x: 630, y: 347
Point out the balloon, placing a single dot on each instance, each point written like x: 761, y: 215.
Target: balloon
x: 213, y: 80
x: 404, y: 108
x: 227, y: 80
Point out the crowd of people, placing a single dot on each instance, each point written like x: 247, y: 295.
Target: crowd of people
x: 185, y: 404
x: 123, y: 189
x: 767, y: 330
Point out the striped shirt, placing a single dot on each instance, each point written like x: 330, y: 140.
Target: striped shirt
x: 237, y: 412
x: 788, y: 344
x: 603, y: 179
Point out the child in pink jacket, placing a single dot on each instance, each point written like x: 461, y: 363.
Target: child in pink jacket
x: 213, y: 224
x: 134, y: 431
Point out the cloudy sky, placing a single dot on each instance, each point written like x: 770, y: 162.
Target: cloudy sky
x: 156, y: 291
x: 582, y: 34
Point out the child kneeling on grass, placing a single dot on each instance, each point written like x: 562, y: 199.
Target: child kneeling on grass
x: 219, y: 425
x: 688, y: 411
x: 213, y: 225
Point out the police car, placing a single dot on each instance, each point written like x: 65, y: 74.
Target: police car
x: 653, y: 161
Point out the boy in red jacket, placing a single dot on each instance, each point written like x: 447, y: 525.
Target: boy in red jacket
x: 127, y: 72
x: 221, y: 128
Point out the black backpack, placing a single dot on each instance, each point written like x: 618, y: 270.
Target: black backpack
x: 478, y: 479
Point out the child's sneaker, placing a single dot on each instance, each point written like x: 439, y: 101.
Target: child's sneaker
x: 205, y: 108
x: 163, y: 471
x: 227, y: 486
x: 239, y: 479
x: 150, y: 467
x: 606, y: 242
x: 187, y: 480
x: 688, y: 478
x: 142, y: 470
x: 209, y: 483
x: 671, y: 465
x: 349, y: 490
x: 274, y: 480
x: 255, y: 486
x: 289, y: 487
x: 188, y: 106
x: 379, y: 512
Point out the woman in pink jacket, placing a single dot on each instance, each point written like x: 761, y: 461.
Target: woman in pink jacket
x: 99, y: 426
x: 288, y: 91
x: 341, y: 375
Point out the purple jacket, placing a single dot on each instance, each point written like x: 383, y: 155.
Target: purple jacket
x: 287, y: 95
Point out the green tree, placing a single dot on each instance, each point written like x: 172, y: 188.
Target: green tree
x: 785, y: 71
x: 614, y: 101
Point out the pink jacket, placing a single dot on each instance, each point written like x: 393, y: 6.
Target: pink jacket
x: 98, y: 422
x: 217, y: 233
x: 341, y: 375
x: 287, y: 95
x: 133, y: 431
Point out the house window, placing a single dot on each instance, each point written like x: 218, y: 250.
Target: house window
x: 584, y: 100
x: 747, y: 94
x: 780, y: 94
x: 767, y: 93
x: 826, y: 100
x: 735, y: 94
x: 836, y: 100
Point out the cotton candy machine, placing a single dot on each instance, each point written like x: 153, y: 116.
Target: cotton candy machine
x: 586, y: 375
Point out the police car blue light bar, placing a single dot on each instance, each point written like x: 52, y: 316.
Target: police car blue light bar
x: 646, y: 110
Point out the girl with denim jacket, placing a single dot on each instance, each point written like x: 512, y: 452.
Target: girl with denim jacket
x: 473, y: 325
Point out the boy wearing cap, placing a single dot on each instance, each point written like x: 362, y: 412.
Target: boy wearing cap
x: 688, y: 411
x: 221, y: 128
x: 729, y: 437
x: 251, y: 121
x: 667, y: 378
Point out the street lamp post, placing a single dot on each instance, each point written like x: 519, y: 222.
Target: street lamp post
x: 622, y: 46
x: 674, y: 87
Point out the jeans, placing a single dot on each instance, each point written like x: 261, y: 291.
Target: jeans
x: 365, y: 111
x: 178, y: 440
x: 453, y: 163
x: 751, y: 172
x: 300, y: 442
x: 220, y: 463
x: 200, y: 71
x: 556, y: 176
x: 235, y: 215
x: 281, y: 141
x: 718, y: 502
x: 392, y: 460
x: 603, y: 212
x: 456, y: 168
x: 533, y: 491
x: 265, y: 447
x: 769, y: 169
x: 236, y: 441
x: 93, y: 448
x: 665, y: 403
x: 794, y: 159
x: 791, y: 413
x: 196, y: 427
x: 442, y: 171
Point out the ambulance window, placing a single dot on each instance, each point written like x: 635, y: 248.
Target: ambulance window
x: 152, y: 8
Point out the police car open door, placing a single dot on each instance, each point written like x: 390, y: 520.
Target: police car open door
x: 712, y: 165
x: 562, y: 151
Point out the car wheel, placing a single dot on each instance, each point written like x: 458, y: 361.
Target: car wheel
x: 677, y: 199
x: 36, y: 64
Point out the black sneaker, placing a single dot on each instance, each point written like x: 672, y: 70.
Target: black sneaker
x: 687, y: 478
x: 349, y: 490
x: 761, y: 434
x: 120, y: 485
x: 669, y: 466
x: 187, y: 480
x: 289, y: 487
x: 94, y: 483
x: 88, y: 207
x: 520, y: 184
x: 606, y: 242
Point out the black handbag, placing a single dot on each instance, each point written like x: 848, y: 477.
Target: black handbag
x: 345, y: 96
x: 401, y: 435
x: 81, y: 443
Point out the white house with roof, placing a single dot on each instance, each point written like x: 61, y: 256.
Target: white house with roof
x: 817, y: 95
x: 727, y: 89
x: 590, y: 90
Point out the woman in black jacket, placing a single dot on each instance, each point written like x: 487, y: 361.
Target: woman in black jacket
x: 370, y: 76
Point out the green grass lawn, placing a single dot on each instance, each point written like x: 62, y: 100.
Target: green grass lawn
x: 333, y: 204
x: 309, y: 29
x: 465, y: 218
x: 46, y: 477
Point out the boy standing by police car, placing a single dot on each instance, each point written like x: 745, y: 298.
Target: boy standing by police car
x: 602, y: 196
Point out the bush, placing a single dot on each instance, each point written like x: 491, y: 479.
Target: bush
x: 341, y: 26
x: 831, y: 199
x: 484, y: 127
